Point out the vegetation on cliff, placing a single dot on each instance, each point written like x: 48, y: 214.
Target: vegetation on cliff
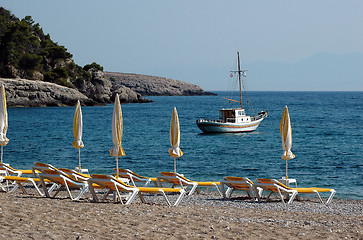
x: 26, y: 52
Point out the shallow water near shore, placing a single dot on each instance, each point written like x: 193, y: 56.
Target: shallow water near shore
x: 327, y: 139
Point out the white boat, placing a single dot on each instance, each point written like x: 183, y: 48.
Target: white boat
x: 233, y: 120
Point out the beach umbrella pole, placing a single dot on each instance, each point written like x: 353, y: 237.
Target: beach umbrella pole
x: 116, y: 167
x: 174, y: 164
x: 2, y: 154
x: 286, y: 169
x: 79, y: 158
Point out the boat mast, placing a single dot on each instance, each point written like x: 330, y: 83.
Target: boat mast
x: 239, y: 79
x: 240, y: 72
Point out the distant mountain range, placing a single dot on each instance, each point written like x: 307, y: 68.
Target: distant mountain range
x: 320, y: 72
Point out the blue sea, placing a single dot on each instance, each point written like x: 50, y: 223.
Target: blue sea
x: 327, y: 139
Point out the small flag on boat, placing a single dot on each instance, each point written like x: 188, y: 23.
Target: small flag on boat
x: 231, y: 75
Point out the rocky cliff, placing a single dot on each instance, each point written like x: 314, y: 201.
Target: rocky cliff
x: 154, y: 86
x: 101, y: 89
x: 32, y: 93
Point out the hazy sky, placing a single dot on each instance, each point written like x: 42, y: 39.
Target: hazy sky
x: 196, y: 40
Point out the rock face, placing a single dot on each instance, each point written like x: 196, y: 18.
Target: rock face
x: 154, y: 86
x: 30, y: 93
x: 98, y: 88
x: 101, y: 89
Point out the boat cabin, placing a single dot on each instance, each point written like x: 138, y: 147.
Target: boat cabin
x: 235, y: 115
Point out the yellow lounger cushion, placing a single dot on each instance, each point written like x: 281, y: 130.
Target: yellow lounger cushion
x: 28, y: 171
x: 237, y: 179
x: 21, y: 179
x: 155, y: 190
x: 206, y: 184
x: 238, y: 183
x: 311, y: 189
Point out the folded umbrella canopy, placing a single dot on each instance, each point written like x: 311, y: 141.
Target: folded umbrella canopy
x: 286, y: 137
x: 77, y: 131
x: 117, y: 128
x: 3, y: 120
x: 175, y: 150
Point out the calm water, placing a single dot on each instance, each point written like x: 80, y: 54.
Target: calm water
x: 327, y: 139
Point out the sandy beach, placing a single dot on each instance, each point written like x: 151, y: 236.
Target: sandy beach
x: 203, y: 216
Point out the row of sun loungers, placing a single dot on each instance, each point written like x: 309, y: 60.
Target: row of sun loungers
x: 52, y: 179
x: 130, y: 185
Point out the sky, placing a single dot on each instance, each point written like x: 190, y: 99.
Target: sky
x: 196, y: 40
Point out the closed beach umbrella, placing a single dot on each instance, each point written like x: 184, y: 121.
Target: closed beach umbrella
x: 175, y: 150
x: 77, y: 131
x: 3, y: 120
x: 117, y: 127
x: 286, y: 137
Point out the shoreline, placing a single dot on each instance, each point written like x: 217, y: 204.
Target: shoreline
x: 201, y: 216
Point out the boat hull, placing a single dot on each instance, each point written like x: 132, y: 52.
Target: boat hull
x: 210, y: 126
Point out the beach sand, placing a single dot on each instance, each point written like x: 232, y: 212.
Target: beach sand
x: 203, y: 216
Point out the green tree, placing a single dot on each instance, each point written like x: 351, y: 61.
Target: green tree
x: 5, y: 18
x: 94, y: 66
x: 30, y: 61
x: 17, y: 41
x: 59, y: 76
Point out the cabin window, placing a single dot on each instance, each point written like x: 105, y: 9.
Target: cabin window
x: 241, y: 113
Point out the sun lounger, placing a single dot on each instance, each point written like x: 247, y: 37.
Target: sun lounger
x: 8, y: 170
x: 275, y: 186
x: 176, y: 179
x: 239, y: 184
x: 13, y: 183
x: 113, y: 184
x: 20, y: 181
x: 64, y: 181
x: 105, y: 182
x: 135, y: 178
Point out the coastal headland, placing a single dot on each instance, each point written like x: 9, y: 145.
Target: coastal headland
x: 154, y: 86
x: 130, y: 87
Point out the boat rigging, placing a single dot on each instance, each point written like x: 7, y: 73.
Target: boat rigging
x: 233, y: 120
